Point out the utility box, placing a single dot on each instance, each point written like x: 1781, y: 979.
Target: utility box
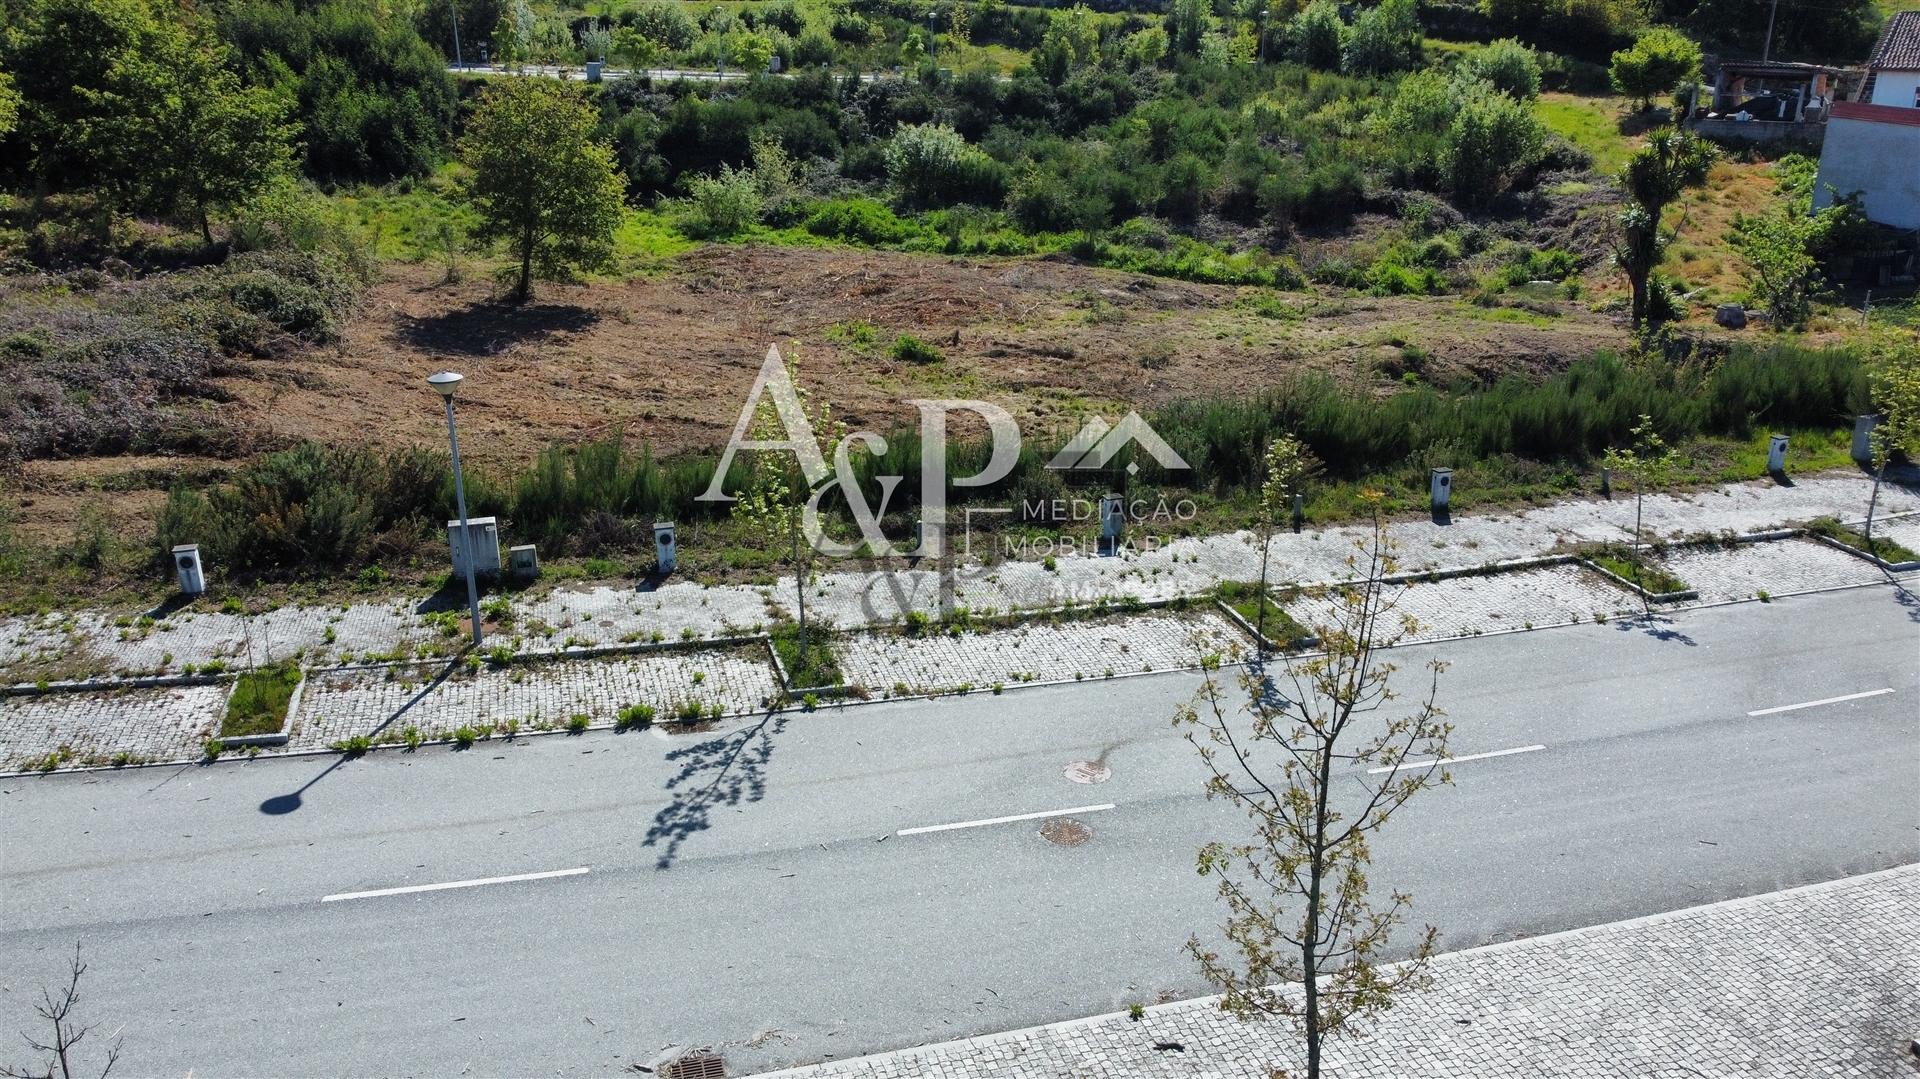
x: 483, y: 539
x: 1441, y: 488
x: 1113, y: 519
x: 523, y: 562
x: 1863, y: 438
x: 187, y: 567
x: 1777, y: 454
x: 666, y: 552
x: 593, y: 70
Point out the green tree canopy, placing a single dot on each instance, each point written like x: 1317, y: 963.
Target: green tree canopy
x: 541, y: 181
x: 139, y: 108
x: 1658, y: 61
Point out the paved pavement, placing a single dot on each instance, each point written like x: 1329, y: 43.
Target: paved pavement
x: 749, y: 887
x: 1820, y: 980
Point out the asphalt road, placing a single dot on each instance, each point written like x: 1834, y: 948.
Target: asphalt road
x: 749, y: 888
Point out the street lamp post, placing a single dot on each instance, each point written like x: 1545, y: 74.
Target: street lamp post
x: 933, y: 38
x: 446, y: 382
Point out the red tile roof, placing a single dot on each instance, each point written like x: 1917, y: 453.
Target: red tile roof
x: 1899, y: 47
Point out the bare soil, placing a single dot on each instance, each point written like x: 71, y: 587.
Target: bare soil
x: 671, y: 359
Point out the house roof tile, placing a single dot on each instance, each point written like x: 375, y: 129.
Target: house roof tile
x: 1899, y: 46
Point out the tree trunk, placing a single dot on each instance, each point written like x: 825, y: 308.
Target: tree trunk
x: 206, y: 226
x: 1646, y: 602
x: 1260, y: 611
x: 1638, y: 280
x: 1310, y: 932
x: 1872, y: 500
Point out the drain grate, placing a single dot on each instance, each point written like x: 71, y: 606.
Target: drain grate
x: 698, y: 1064
x: 1065, y: 832
x: 1087, y: 772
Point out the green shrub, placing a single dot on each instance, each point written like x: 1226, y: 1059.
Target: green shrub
x: 1510, y: 66
x: 634, y: 716
x: 578, y: 722
x: 858, y: 221
x: 910, y: 349
x: 721, y: 206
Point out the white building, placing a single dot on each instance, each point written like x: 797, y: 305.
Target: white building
x: 1893, y: 71
x: 1873, y: 144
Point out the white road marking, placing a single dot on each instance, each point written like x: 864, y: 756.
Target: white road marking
x: 1407, y: 765
x: 454, y: 884
x: 1818, y: 703
x: 1002, y: 820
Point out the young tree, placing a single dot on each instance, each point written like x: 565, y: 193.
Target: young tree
x: 1785, y: 246
x: 1654, y: 177
x: 1647, y: 463
x: 217, y: 144
x: 1894, y: 382
x: 1305, y: 764
x: 67, y: 1034
x: 773, y: 493
x: 1659, y: 60
x: 541, y: 181
x: 138, y: 108
x: 1287, y: 464
x: 752, y: 52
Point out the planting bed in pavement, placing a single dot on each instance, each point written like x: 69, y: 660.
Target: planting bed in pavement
x: 382, y: 703
x: 554, y: 633
x: 899, y: 664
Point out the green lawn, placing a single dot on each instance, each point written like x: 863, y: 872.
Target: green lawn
x: 259, y: 702
x: 1591, y: 123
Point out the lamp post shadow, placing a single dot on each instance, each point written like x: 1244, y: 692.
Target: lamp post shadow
x: 282, y: 804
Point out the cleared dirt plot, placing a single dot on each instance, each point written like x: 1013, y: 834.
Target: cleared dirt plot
x: 671, y: 358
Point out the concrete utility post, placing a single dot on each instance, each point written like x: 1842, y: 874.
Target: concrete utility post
x: 447, y: 382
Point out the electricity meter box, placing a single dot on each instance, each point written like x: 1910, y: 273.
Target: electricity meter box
x: 666, y: 553
x: 187, y: 566
x: 483, y: 539
x: 1442, y: 487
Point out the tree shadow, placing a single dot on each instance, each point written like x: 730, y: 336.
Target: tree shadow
x: 1908, y: 599
x: 1657, y: 626
x: 485, y: 328
x: 726, y: 771
x: 282, y: 804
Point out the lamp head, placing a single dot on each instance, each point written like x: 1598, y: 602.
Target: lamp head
x: 446, y: 382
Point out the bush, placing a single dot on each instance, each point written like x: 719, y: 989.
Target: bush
x: 1493, y: 138
x: 1383, y: 39
x: 932, y: 165
x: 910, y: 349
x: 634, y: 716
x: 857, y: 220
x: 1313, y: 36
x: 721, y: 206
x: 1509, y: 66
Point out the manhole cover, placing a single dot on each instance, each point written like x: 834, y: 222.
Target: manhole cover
x: 1065, y: 832
x: 1087, y: 772
x: 694, y: 1065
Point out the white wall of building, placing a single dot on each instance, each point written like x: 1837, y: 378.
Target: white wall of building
x: 1895, y: 88
x: 1876, y: 159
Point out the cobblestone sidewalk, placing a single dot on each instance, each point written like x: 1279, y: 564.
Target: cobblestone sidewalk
x: 1821, y: 981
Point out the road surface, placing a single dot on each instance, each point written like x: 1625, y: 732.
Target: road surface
x: 836, y: 883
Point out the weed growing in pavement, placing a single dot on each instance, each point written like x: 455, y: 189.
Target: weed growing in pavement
x: 578, y: 723
x: 634, y: 716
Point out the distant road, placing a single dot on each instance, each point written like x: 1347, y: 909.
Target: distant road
x: 579, y: 74
x: 849, y: 881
